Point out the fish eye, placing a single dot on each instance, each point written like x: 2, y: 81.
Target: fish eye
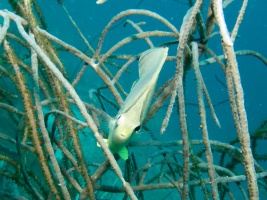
x: 137, y: 128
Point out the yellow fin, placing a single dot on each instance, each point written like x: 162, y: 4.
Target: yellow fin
x: 105, y: 140
x: 123, y: 153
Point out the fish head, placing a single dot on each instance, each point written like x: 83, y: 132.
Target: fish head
x: 121, y: 131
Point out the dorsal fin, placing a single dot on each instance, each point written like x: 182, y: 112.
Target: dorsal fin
x: 150, y: 64
x: 152, y: 59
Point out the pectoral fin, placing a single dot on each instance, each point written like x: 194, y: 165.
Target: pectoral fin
x: 124, y: 153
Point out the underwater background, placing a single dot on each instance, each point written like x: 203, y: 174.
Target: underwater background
x: 92, y: 18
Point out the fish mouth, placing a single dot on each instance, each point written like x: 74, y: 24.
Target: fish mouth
x: 123, y: 135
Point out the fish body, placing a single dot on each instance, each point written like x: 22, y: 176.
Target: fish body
x: 135, y: 107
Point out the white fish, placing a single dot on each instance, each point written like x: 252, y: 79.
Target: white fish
x: 135, y: 107
x: 100, y: 1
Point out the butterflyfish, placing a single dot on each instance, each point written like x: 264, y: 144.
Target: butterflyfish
x: 135, y: 107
